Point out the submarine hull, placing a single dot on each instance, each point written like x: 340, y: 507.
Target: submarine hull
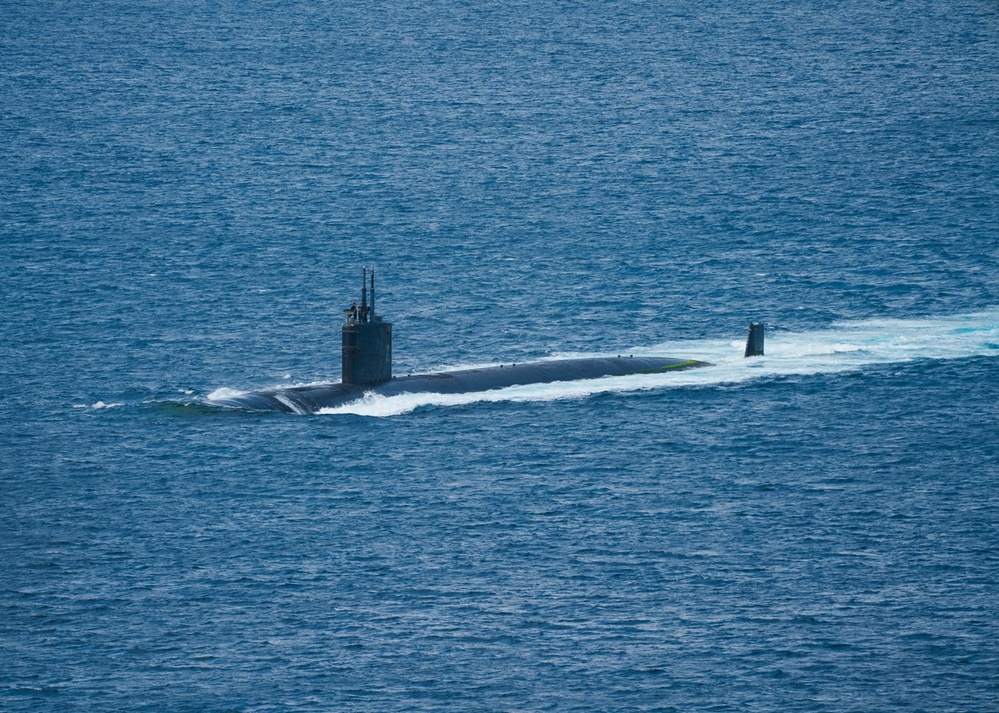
x: 310, y: 399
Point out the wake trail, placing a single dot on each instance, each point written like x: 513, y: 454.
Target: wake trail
x: 845, y: 346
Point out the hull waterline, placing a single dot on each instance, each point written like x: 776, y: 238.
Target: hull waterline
x: 311, y: 399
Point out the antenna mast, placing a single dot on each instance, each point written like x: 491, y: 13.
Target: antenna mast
x: 364, y: 294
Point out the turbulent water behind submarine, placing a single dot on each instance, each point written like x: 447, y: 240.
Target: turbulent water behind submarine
x: 189, y: 191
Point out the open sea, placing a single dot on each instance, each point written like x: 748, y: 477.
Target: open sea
x: 188, y: 193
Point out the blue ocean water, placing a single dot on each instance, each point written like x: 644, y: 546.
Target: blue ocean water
x: 188, y: 191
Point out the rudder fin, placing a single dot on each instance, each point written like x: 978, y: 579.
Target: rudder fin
x: 754, y: 343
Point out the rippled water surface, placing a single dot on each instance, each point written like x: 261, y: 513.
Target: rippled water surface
x: 187, y: 194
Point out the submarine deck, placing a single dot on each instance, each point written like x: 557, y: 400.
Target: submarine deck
x: 310, y: 399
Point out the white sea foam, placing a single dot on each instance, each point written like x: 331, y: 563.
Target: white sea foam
x: 223, y: 393
x: 101, y: 405
x: 843, y: 347
x: 290, y: 403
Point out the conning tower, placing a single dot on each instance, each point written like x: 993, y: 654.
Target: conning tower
x: 367, y: 341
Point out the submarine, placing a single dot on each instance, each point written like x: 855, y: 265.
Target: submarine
x: 366, y: 368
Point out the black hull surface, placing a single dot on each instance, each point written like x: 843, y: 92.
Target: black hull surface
x: 310, y: 399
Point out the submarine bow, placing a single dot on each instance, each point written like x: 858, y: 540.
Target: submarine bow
x: 367, y: 368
